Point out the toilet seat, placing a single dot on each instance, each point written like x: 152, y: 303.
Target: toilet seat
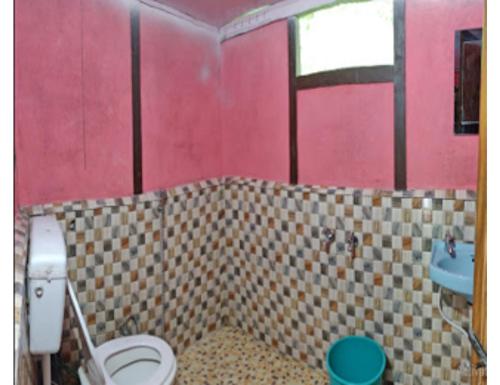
x: 142, y: 359
x: 133, y: 360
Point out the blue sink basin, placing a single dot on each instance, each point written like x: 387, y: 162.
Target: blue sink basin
x: 456, y: 274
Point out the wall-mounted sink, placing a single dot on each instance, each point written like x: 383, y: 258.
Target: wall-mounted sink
x: 456, y: 274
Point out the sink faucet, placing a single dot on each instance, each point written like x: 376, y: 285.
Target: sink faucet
x: 449, y: 241
x: 352, y: 243
x: 329, y: 238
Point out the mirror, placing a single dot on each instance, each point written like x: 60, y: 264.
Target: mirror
x: 467, y: 80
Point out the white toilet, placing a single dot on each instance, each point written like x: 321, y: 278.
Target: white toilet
x: 133, y: 360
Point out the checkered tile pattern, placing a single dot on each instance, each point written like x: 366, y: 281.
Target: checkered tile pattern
x: 287, y: 290
x: 126, y: 281
x: 194, y: 265
x: 250, y: 253
x: 115, y: 264
x: 25, y: 372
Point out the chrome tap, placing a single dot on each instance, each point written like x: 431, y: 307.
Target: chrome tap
x: 329, y: 238
x: 352, y: 243
x: 449, y: 241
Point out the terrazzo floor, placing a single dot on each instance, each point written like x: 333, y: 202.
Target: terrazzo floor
x: 230, y: 357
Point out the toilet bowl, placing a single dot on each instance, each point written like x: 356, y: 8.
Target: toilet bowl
x: 132, y: 360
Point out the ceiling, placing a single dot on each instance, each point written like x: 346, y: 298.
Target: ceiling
x: 215, y: 12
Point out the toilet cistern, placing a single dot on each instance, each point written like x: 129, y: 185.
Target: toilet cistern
x: 47, y: 287
x: 133, y: 360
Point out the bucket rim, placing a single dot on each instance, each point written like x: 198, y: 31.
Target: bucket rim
x: 366, y: 339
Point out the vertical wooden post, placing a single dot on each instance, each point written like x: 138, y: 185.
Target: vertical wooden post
x: 479, y: 307
x: 400, y: 177
x: 135, y: 39
x: 292, y: 94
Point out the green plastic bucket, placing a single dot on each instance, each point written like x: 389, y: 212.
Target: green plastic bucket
x: 355, y: 360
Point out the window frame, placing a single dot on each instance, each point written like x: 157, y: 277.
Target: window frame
x: 355, y: 75
x: 348, y: 75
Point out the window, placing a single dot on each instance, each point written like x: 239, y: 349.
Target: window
x: 467, y: 80
x: 349, y: 34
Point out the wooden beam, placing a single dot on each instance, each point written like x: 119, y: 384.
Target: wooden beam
x: 479, y: 309
x: 357, y: 75
x: 292, y: 97
x: 136, y: 97
x: 400, y: 182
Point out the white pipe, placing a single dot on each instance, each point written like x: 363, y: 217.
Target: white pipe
x: 80, y: 318
x: 46, y: 369
x: 452, y: 323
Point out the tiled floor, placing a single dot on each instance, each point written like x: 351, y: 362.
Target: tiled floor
x: 231, y: 357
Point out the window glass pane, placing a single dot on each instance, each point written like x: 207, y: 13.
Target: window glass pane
x: 357, y: 33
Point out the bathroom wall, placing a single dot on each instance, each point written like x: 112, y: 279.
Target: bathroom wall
x: 72, y: 100
x: 254, y: 105
x: 246, y: 252
x: 73, y: 124
x: 153, y: 263
x: 249, y: 253
x: 286, y: 289
x: 436, y: 157
x: 345, y: 132
x: 73, y: 117
x: 180, y: 77
x: 346, y: 135
x: 195, y: 263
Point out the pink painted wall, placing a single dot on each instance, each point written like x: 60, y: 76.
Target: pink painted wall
x: 73, y: 117
x: 346, y: 135
x: 211, y: 110
x: 437, y: 158
x: 255, y: 108
x: 254, y: 105
x: 179, y: 97
x: 72, y: 100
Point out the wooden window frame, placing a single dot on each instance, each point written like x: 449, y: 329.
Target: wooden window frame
x: 355, y: 75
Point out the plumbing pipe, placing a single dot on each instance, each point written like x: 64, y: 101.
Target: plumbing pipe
x: 46, y: 369
x: 471, y: 337
x: 452, y: 323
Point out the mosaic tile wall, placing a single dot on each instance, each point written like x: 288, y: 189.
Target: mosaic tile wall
x: 149, y: 263
x: 285, y: 289
x: 250, y: 254
x: 195, y: 264
x: 114, y: 263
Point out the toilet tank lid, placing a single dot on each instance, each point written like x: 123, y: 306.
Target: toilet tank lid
x: 47, y: 255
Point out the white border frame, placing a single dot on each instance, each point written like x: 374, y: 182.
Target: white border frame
x: 267, y: 15
x: 181, y: 15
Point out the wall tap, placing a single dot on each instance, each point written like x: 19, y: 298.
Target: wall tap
x: 449, y: 241
x: 129, y: 326
x: 352, y: 243
x: 329, y: 235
